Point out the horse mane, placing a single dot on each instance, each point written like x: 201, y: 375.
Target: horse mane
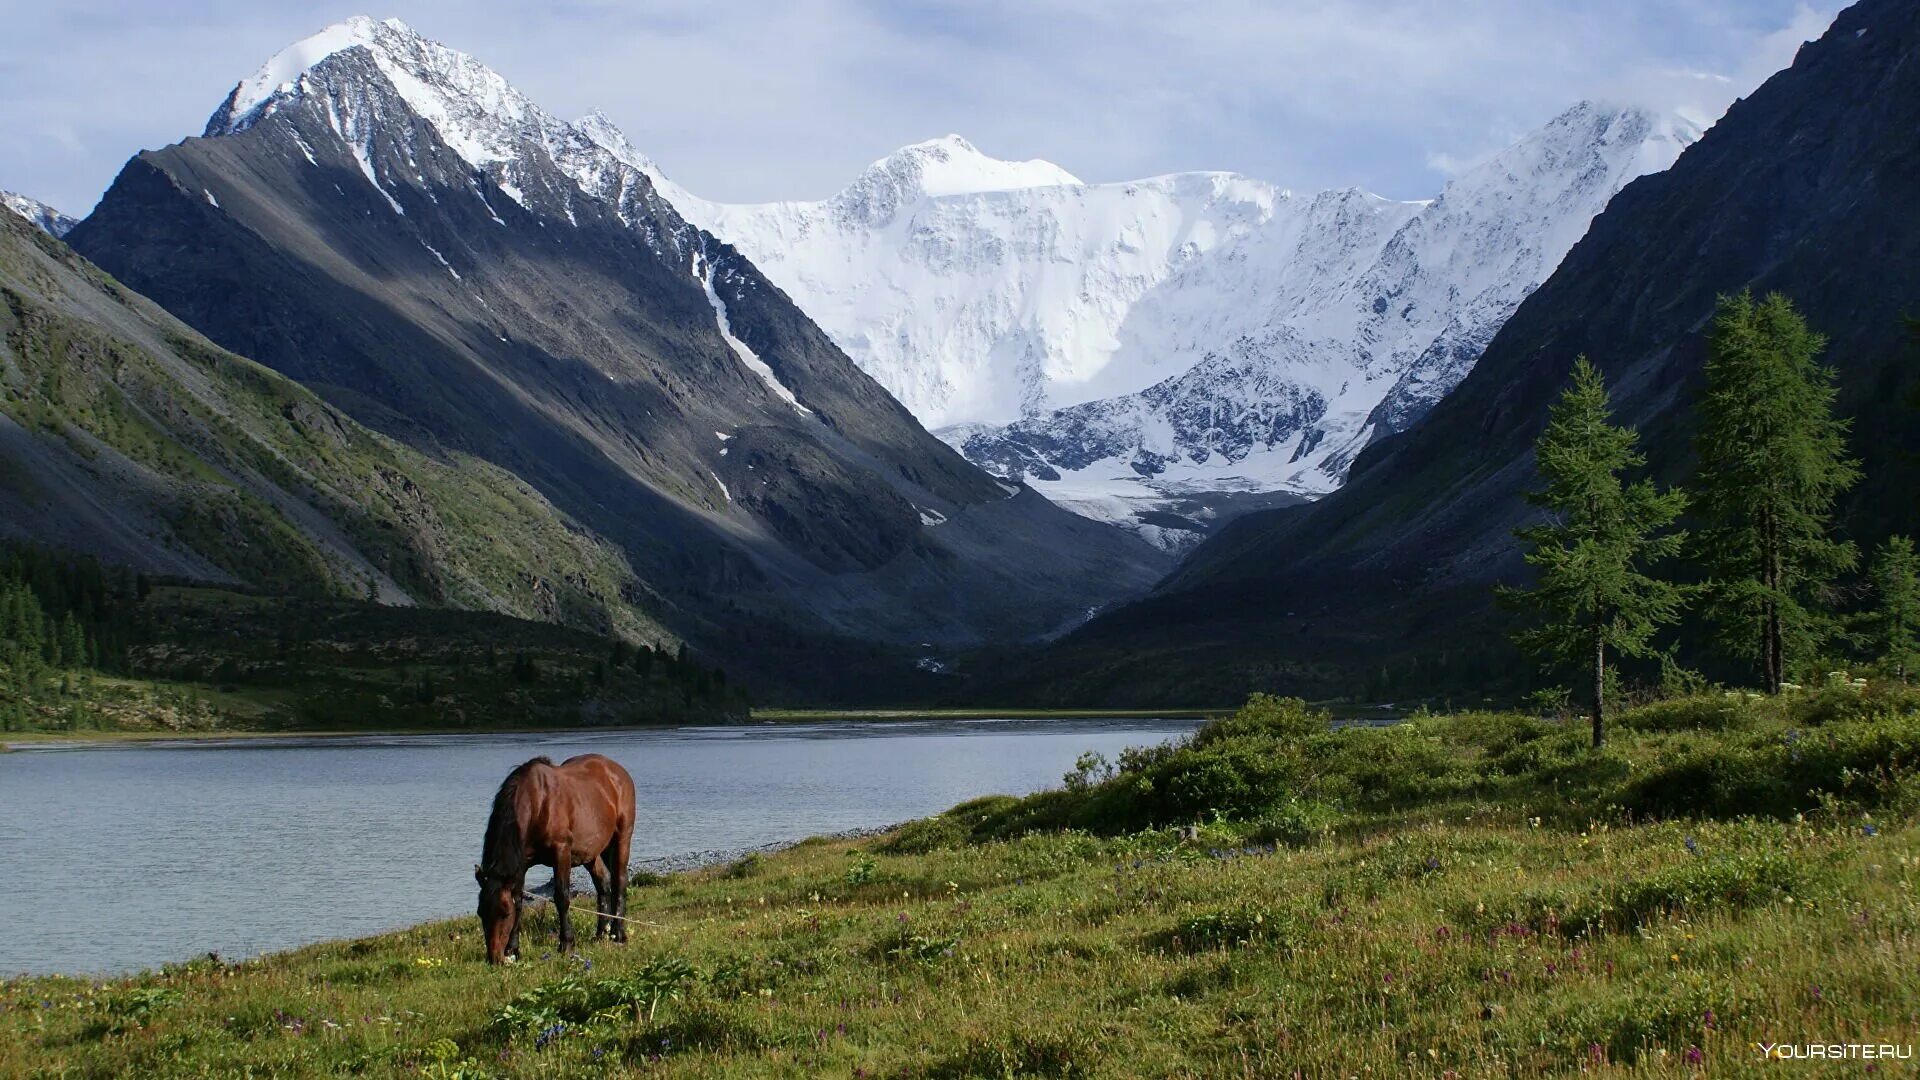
x: 503, y: 826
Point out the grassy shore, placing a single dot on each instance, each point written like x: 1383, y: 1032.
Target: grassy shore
x: 1463, y: 895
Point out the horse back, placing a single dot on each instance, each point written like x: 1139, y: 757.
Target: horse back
x: 603, y: 792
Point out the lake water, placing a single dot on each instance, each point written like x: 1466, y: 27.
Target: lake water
x: 123, y: 857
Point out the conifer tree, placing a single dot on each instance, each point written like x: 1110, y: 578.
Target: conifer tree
x: 1593, y: 594
x: 1895, y: 620
x: 1772, y: 462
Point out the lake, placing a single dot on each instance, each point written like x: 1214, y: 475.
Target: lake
x: 121, y: 857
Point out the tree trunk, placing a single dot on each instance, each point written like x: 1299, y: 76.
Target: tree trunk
x: 1599, y: 688
x: 1772, y: 662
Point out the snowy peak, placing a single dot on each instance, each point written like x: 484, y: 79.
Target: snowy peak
x: 477, y: 113
x: 605, y: 134
x: 46, y: 218
x: 934, y: 169
x: 1590, y: 135
x: 951, y: 165
x: 280, y: 76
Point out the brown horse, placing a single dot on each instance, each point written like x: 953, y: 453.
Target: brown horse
x: 578, y: 812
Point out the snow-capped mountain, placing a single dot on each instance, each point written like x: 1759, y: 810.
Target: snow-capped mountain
x: 1159, y: 351
x: 389, y: 221
x: 51, y: 221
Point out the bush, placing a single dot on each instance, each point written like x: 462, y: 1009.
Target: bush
x: 746, y: 866
x: 1718, y: 712
x: 1263, y: 717
x: 1388, y: 767
x: 1294, y: 823
x: 1780, y: 773
x: 927, y: 834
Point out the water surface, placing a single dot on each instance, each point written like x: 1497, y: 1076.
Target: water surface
x: 130, y: 856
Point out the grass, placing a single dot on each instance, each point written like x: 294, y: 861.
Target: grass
x: 1475, y: 900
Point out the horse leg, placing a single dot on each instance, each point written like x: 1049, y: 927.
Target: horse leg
x: 616, y: 858
x: 602, y: 897
x: 562, y: 896
x: 519, y: 905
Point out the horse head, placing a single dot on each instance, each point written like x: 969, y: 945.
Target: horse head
x: 497, y: 910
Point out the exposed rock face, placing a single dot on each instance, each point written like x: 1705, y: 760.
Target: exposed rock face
x: 389, y: 222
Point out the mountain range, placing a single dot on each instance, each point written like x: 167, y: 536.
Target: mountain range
x: 1806, y: 187
x: 388, y: 328
x: 1166, y: 352
x: 390, y: 223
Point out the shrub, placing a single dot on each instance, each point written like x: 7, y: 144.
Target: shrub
x: 1386, y: 767
x: 1294, y: 823
x: 746, y: 866
x: 1779, y: 773
x: 1718, y: 712
x: 1263, y: 717
x: 927, y: 834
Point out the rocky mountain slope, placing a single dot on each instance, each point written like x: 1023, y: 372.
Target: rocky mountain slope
x: 1165, y: 352
x: 53, y: 222
x: 1806, y: 187
x: 126, y: 435
x: 390, y: 222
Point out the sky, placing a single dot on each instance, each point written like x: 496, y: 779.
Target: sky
x: 748, y: 101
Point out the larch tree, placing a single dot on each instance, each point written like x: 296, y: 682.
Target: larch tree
x: 1772, y: 462
x: 1895, y: 620
x: 1594, y: 597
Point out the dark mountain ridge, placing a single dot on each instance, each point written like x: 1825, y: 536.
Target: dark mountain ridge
x: 493, y: 283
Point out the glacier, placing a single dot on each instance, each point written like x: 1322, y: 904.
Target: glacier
x: 1170, y: 351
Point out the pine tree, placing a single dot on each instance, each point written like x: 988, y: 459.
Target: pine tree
x: 1895, y: 620
x: 1593, y: 594
x: 1772, y: 462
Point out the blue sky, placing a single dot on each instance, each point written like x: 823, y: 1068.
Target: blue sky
x: 749, y: 101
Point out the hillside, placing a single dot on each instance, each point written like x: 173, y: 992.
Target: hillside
x: 127, y: 435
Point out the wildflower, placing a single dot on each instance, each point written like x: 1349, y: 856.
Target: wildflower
x: 1695, y: 1056
x: 1693, y: 846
